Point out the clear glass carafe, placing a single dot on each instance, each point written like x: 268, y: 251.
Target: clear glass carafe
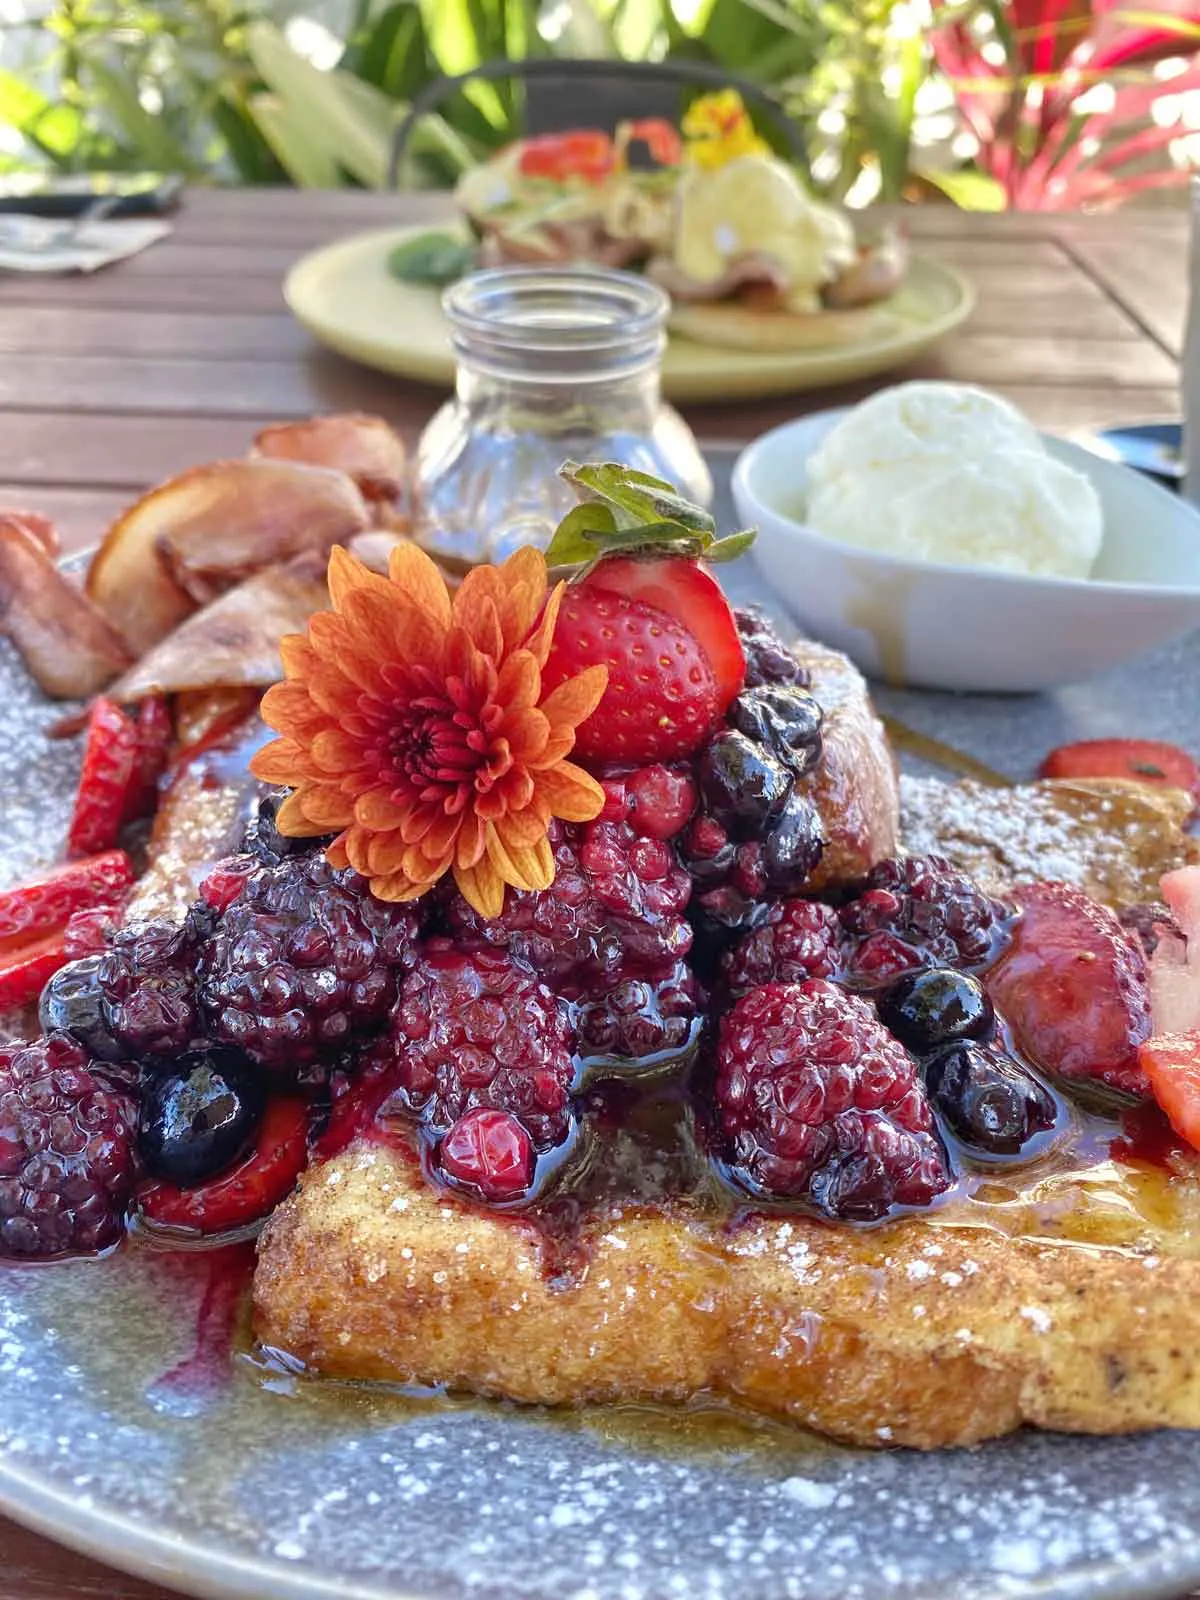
x: 553, y: 363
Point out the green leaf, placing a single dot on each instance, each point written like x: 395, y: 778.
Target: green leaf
x: 731, y: 546
x: 579, y: 535
x: 290, y: 134
x: 635, y: 497
x: 431, y: 258
x: 146, y: 132
x: 627, y: 512
x: 349, y: 123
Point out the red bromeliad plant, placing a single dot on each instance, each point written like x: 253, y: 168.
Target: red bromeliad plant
x: 1024, y: 72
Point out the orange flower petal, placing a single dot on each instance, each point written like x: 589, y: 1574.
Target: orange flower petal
x: 277, y: 762
x: 293, y: 818
x: 521, y: 830
x: 519, y: 682
x: 481, y: 887
x: 470, y: 842
x: 325, y: 806
x: 540, y: 640
x: 576, y: 698
x: 420, y: 580
x: 335, y: 853
x: 396, y: 888
x: 520, y: 868
x: 570, y: 792
x: 335, y: 752
x: 377, y: 810
x: 297, y: 655
x: 527, y: 733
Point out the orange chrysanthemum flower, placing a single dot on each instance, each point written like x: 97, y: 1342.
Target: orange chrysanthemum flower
x: 416, y: 725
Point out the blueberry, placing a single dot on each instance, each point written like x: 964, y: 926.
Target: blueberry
x: 993, y: 1103
x: 936, y: 1007
x: 785, y: 720
x: 74, y: 1002
x: 201, y: 1117
x: 793, y: 846
x: 743, y: 785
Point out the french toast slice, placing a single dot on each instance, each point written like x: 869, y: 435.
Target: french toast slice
x: 1056, y: 1295
x: 930, y: 1331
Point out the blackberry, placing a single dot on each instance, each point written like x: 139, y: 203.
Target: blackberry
x: 920, y: 912
x: 302, y: 962
x: 817, y: 1102
x: 73, y: 1002
x: 147, y: 981
x: 642, y: 1014
x: 768, y: 660
x: 618, y: 897
x: 478, y: 1029
x: 797, y: 940
x: 735, y: 881
x: 68, y: 1161
x: 993, y: 1103
x: 1150, y: 923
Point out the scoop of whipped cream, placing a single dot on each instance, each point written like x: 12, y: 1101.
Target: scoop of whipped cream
x: 949, y: 473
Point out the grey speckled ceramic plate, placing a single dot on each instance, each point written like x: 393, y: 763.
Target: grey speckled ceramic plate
x: 126, y: 1432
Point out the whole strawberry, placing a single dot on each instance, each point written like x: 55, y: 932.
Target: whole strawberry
x: 646, y: 606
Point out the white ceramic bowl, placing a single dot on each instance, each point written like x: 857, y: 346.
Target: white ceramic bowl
x: 942, y: 627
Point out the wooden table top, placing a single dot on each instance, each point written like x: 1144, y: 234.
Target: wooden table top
x: 112, y: 382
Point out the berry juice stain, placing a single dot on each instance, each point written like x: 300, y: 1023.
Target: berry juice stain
x: 218, y: 1282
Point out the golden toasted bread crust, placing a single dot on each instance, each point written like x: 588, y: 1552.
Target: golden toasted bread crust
x: 855, y: 787
x: 919, y: 1333
x: 1111, y: 838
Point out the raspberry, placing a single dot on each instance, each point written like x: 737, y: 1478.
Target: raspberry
x: 768, y: 660
x: 616, y: 898
x: 921, y: 912
x: 799, y: 939
x: 818, y: 1102
x: 67, y: 1149
x: 476, y: 1028
x: 642, y: 1014
x: 302, y: 962
x: 147, y: 983
x: 489, y: 1151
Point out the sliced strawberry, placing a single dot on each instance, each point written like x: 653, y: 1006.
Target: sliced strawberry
x: 248, y: 1192
x: 1073, y: 985
x: 110, y: 758
x: 687, y: 591
x: 24, y: 972
x: 1171, y: 1063
x: 1141, y: 760
x: 87, y: 932
x: 155, y: 732
x: 46, y: 902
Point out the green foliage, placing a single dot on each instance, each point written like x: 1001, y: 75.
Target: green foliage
x: 218, y: 90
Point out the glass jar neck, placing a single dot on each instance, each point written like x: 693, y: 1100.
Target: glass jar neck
x: 557, y: 403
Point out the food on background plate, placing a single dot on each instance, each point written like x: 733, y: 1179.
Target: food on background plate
x: 566, y: 943
x: 749, y: 257
x: 949, y: 473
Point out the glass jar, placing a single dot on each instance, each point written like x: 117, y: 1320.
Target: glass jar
x: 553, y: 364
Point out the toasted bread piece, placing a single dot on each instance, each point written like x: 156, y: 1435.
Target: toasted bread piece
x: 1112, y: 838
x: 924, y: 1332
x: 855, y: 787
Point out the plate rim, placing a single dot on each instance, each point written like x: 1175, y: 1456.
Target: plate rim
x: 757, y: 375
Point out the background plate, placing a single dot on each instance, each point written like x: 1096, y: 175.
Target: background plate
x: 345, y: 296
x: 118, y: 1435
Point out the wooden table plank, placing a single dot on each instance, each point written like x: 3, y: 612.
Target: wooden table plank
x: 124, y: 378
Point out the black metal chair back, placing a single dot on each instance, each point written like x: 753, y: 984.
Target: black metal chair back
x: 563, y: 94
